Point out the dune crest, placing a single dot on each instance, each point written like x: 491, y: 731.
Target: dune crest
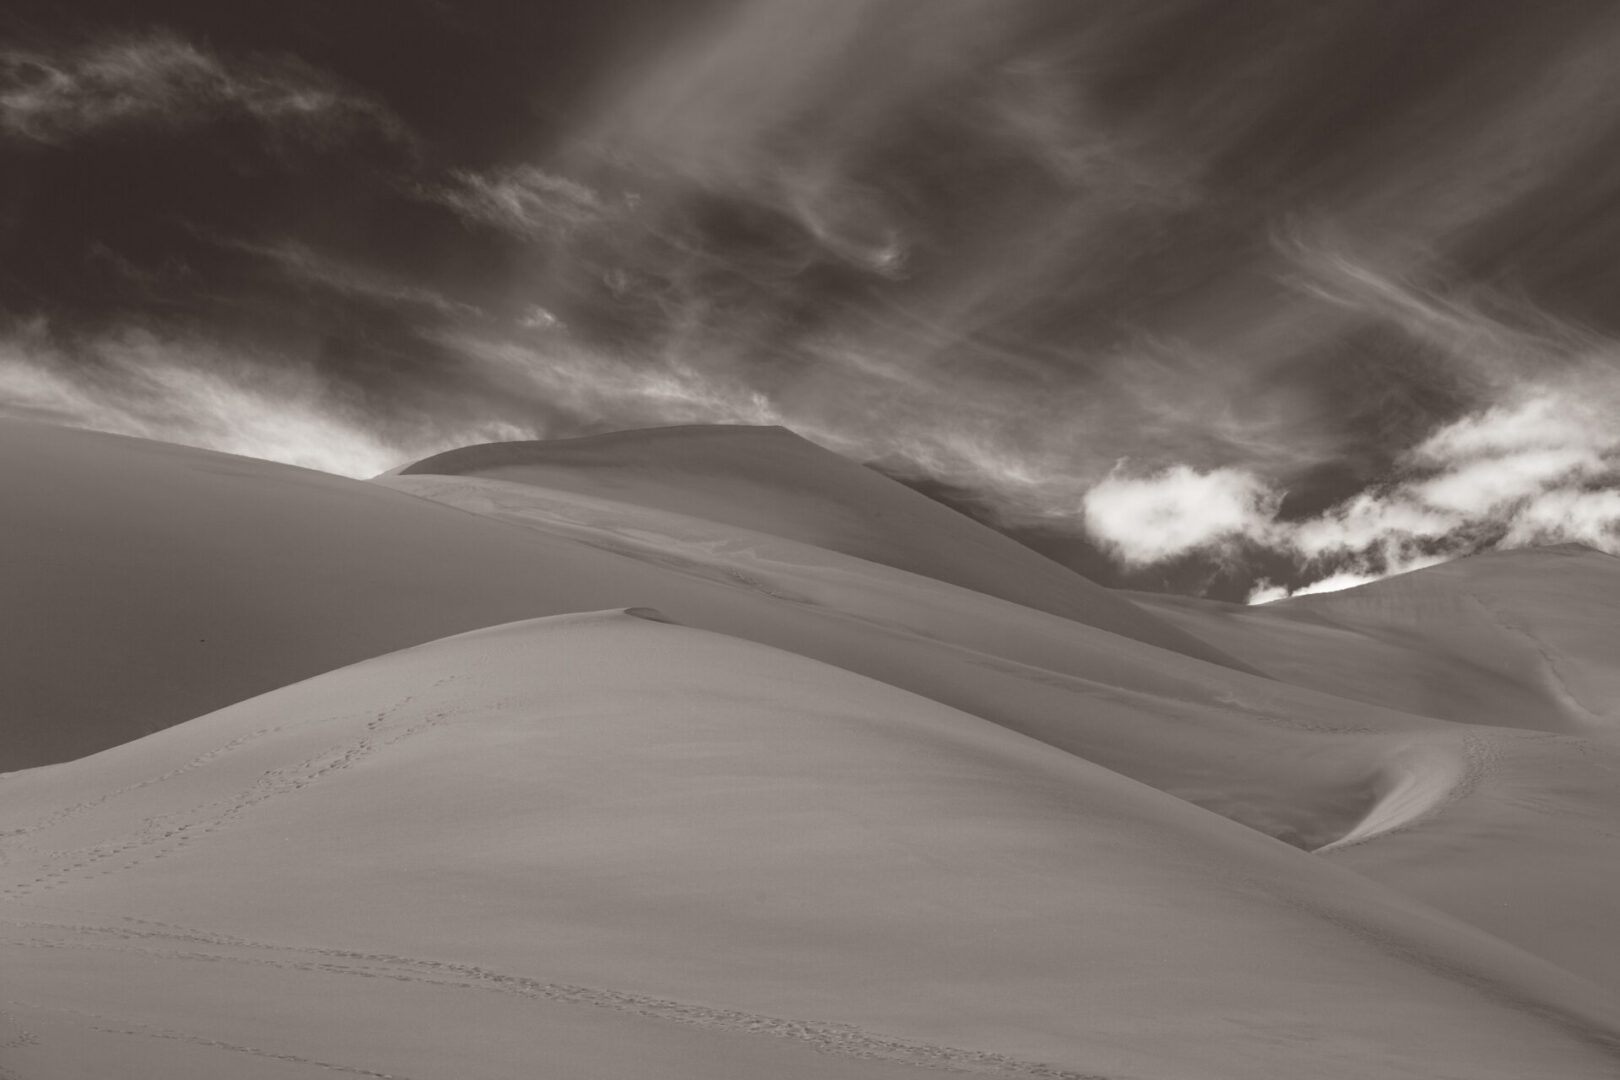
x: 769, y: 480
x: 1522, y: 638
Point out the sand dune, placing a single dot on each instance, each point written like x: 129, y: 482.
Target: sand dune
x: 769, y: 480
x: 1524, y: 844
x: 670, y: 831
x: 1155, y: 715
x: 892, y: 819
x: 201, y: 579
x: 1458, y: 809
x: 1514, y: 639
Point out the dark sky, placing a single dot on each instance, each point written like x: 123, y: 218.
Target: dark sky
x: 1191, y: 293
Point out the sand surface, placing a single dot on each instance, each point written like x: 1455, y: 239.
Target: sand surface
x: 769, y: 480
x: 579, y: 782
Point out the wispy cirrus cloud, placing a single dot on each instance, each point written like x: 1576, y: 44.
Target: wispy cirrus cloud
x: 197, y: 392
x: 161, y: 81
x: 1000, y: 244
x: 304, y: 264
x: 522, y: 199
x: 606, y: 393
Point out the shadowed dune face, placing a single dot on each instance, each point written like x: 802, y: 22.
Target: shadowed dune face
x: 606, y: 814
x: 147, y: 583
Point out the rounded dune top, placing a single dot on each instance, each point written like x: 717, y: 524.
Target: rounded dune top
x: 1569, y: 582
x: 1516, y: 638
x: 686, y: 441
x: 1545, y: 562
x: 770, y: 480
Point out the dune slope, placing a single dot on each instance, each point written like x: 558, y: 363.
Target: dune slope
x: 132, y: 551
x: 769, y: 480
x: 1507, y: 828
x: 605, y: 842
x: 198, y: 579
x: 1523, y: 638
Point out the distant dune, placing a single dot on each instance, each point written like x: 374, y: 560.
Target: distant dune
x: 769, y: 480
x: 703, y: 753
x: 203, y: 578
x: 1514, y: 638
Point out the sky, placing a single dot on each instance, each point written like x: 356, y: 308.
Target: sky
x: 1234, y: 298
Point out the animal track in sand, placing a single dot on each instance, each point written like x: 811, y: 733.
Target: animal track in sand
x: 162, y: 835
x: 844, y: 1040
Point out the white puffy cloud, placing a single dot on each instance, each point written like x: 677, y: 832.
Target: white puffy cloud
x: 1582, y: 516
x: 1545, y: 467
x: 1541, y: 467
x: 1369, y: 519
x: 1478, y: 487
x: 1152, y: 518
x: 1544, y: 420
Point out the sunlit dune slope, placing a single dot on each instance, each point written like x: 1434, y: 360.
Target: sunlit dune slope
x: 1522, y: 638
x: 767, y: 479
x: 1264, y: 753
x: 1462, y: 814
x: 620, y: 847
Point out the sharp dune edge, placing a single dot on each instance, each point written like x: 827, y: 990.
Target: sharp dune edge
x: 701, y: 753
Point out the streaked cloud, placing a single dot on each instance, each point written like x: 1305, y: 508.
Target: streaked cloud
x: 522, y: 199
x: 161, y: 81
x: 602, y: 393
x: 304, y: 264
x: 194, y: 392
x: 1586, y: 516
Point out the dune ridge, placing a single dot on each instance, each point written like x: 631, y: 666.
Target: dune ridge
x: 770, y: 480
